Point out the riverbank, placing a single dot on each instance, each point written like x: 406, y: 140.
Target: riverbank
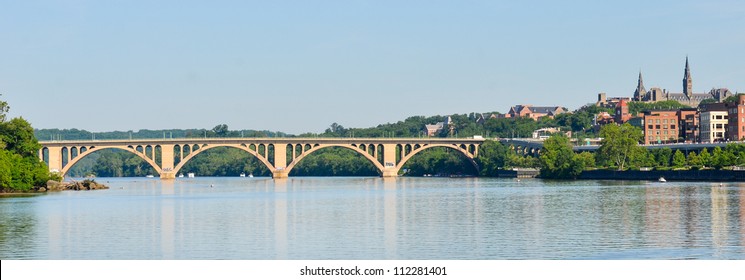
x: 670, y: 175
x: 85, y: 185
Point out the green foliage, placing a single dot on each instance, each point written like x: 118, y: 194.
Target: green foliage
x: 618, y: 145
x: 557, y: 159
x: 334, y: 161
x: 719, y: 158
x: 705, y: 158
x: 492, y: 157
x: 515, y: 160
x: 20, y: 167
x: 638, y: 106
x: 18, y: 136
x: 662, y: 156
x: 76, y: 134
x: 732, y: 98
x: 4, y: 108
x: 225, y: 161
x: 708, y: 101
x: 587, y: 158
x: 694, y: 160
x: 679, y: 160
x: 641, y: 158
x: 439, y: 161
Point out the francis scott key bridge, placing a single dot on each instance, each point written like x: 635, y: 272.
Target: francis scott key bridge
x: 280, y: 155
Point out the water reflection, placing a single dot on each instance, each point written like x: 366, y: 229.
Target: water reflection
x: 377, y: 218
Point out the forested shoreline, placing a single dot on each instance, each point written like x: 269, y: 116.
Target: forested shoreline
x: 21, y: 170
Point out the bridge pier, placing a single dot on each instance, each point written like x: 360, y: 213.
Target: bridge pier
x: 280, y: 174
x: 390, y: 173
x: 167, y: 175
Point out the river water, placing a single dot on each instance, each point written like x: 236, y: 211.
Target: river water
x: 376, y: 218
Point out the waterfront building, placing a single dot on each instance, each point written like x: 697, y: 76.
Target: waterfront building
x: 736, y: 119
x: 688, y: 125
x: 658, y: 126
x: 713, y: 121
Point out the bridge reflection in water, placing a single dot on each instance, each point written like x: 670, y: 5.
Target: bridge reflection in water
x: 280, y: 155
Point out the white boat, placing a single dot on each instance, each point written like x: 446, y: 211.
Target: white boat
x: 190, y: 175
x: 661, y: 179
x: 251, y: 175
x: 181, y: 175
x: 149, y: 176
x: 243, y: 174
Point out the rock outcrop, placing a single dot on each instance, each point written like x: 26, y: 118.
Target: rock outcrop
x: 85, y: 185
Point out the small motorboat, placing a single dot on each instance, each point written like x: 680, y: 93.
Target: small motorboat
x: 149, y: 176
x: 243, y: 174
x: 661, y: 180
x: 251, y: 175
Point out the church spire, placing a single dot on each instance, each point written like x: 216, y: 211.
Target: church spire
x: 640, y: 92
x: 687, y: 81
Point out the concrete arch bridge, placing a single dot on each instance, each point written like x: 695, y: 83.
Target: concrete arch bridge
x: 280, y: 155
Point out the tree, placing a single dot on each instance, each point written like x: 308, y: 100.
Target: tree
x: 557, y: 159
x: 719, y: 158
x: 492, y: 156
x: 705, y: 158
x: 4, y: 108
x: 618, y: 144
x: 18, y: 136
x: 662, y: 156
x: 221, y: 130
x: 20, y: 167
x: 694, y: 160
x: 587, y: 158
x: 679, y: 159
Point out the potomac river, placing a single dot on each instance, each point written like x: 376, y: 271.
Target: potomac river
x: 377, y: 218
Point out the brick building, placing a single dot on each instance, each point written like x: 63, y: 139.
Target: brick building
x: 736, y: 119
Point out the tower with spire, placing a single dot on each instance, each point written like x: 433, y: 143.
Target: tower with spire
x: 687, y: 81
x: 640, y: 93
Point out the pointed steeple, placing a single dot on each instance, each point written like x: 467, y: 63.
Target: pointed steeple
x: 687, y: 81
x: 640, y: 92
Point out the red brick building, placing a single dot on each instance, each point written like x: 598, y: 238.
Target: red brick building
x: 660, y: 126
x: 736, y: 115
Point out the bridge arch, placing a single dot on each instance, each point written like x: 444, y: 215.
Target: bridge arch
x: 352, y: 147
x: 205, y: 147
x: 460, y: 149
x: 92, y: 149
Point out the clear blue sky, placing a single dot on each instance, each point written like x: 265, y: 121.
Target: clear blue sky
x: 298, y: 66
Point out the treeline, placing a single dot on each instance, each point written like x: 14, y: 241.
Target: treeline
x: 619, y: 150
x: 467, y: 125
x: 20, y: 166
x: 463, y: 125
x: 218, y: 131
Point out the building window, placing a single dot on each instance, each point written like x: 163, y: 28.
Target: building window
x: 664, y: 121
x: 657, y: 126
x: 664, y: 126
x: 664, y: 132
x: 672, y: 126
x: 657, y: 121
x: 650, y: 126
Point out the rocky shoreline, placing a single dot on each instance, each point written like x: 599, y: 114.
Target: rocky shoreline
x: 85, y: 185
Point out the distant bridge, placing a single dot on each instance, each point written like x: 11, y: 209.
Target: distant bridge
x: 280, y: 155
